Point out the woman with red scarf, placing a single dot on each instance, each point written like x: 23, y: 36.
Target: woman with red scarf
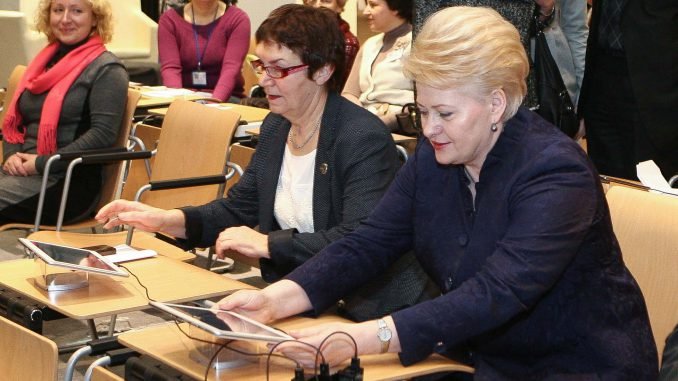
x: 71, y: 98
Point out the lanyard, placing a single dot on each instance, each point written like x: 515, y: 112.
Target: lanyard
x: 199, y: 55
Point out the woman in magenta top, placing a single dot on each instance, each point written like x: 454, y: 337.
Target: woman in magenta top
x: 202, y: 46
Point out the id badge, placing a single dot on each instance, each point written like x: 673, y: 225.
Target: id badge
x: 199, y: 78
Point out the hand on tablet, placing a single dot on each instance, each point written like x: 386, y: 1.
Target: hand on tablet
x: 142, y: 216
x: 279, y: 300
x: 251, y: 303
x: 244, y: 240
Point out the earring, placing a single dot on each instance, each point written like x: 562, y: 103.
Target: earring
x: 494, y: 127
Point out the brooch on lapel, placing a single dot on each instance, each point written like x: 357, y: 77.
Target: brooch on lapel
x: 323, y: 168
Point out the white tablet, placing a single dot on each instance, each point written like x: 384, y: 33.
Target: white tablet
x: 225, y: 324
x: 72, y: 257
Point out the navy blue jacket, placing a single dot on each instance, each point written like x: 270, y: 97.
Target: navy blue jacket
x: 532, y: 279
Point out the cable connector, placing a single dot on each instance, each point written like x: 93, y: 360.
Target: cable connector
x: 101, y: 346
x: 324, y: 372
x: 299, y: 374
x: 120, y: 356
x: 353, y: 372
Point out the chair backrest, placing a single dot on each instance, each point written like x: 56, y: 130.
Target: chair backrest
x: 26, y: 355
x: 249, y: 75
x: 137, y: 175
x: 113, y: 172
x: 646, y: 226
x: 12, y: 83
x: 194, y: 141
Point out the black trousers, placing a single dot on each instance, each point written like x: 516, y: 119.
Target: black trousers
x: 83, y: 196
x: 616, y: 137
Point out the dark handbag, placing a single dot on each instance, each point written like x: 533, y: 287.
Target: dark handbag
x: 407, y: 120
x: 555, y: 104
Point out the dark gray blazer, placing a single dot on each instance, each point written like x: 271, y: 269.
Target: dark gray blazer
x: 356, y: 160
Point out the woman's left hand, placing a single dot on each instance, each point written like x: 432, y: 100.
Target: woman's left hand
x: 336, y: 347
x: 244, y: 240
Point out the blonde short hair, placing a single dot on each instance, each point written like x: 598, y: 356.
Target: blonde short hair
x: 102, y: 14
x: 472, y: 48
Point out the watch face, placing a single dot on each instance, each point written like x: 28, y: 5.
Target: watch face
x: 384, y: 334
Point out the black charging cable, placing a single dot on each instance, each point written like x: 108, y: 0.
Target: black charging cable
x: 353, y: 372
x: 298, y: 371
x: 298, y: 368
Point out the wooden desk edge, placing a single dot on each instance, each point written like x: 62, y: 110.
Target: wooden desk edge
x: 387, y: 366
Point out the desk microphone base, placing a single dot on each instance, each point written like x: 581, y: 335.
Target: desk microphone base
x: 223, y: 361
x: 62, y: 281
x: 222, y: 353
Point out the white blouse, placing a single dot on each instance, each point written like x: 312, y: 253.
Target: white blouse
x: 293, y: 207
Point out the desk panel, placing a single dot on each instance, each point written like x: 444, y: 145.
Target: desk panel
x: 166, y: 279
x: 146, y: 102
x: 167, y: 344
x: 247, y: 113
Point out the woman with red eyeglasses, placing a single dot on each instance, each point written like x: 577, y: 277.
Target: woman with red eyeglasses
x: 320, y: 166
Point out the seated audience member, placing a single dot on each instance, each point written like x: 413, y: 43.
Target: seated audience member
x: 669, y: 369
x: 505, y: 213
x: 202, y: 46
x: 377, y: 81
x: 320, y: 166
x: 71, y: 98
x: 351, y: 41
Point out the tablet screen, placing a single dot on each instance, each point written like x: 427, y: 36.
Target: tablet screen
x: 225, y: 324
x: 71, y: 257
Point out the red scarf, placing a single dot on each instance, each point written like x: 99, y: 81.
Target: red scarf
x: 57, y: 80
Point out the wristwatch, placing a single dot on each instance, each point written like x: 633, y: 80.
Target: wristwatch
x: 384, y: 334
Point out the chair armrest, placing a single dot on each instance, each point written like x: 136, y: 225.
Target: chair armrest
x: 104, y: 158
x: 68, y: 156
x: 98, y: 156
x: 188, y: 182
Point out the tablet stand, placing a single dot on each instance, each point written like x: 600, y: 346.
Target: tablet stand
x: 226, y: 359
x: 52, y: 278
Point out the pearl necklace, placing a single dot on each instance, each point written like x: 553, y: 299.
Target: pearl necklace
x: 293, y: 134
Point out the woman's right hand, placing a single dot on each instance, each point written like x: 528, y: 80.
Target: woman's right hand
x: 279, y: 300
x: 142, y: 216
x: 251, y: 303
x: 14, y: 166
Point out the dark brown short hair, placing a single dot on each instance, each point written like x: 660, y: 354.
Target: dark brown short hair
x: 313, y: 34
x: 403, y: 7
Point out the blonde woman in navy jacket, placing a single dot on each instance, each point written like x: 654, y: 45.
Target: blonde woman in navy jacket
x: 507, y: 216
